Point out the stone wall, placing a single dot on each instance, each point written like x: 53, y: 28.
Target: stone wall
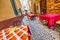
x: 53, y: 6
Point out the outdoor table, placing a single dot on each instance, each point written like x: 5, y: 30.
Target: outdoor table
x: 21, y: 33
x: 31, y: 15
x: 51, y: 18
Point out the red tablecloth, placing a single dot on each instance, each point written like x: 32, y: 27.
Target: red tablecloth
x: 51, y: 18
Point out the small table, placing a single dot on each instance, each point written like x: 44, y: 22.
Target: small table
x: 21, y: 33
x: 31, y: 15
x: 51, y: 18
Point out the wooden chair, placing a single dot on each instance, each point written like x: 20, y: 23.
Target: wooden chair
x: 44, y: 22
x: 57, y: 25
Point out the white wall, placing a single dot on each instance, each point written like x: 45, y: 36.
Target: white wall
x: 25, y: 4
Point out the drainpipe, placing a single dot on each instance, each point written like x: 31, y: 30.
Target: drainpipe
x: 14, y: 7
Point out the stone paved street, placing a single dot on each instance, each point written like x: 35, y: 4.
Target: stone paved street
x: 37, y: 30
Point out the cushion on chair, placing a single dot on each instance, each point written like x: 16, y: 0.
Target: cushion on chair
x: 58, y: 22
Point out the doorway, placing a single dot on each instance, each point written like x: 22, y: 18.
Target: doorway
x: 43, y: 6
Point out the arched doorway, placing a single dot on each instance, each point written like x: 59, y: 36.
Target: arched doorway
x: 43, y: 6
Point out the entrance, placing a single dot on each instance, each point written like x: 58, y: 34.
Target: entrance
x: 43, y: 6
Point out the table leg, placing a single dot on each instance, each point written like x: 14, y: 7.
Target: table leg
x: 50, y: 23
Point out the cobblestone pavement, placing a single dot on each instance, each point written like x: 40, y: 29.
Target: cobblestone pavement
x: 38, y: 32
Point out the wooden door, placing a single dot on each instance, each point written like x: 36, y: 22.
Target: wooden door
x: 43, y: 6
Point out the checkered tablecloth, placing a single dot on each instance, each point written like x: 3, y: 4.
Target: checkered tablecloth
x: 20, y: 34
